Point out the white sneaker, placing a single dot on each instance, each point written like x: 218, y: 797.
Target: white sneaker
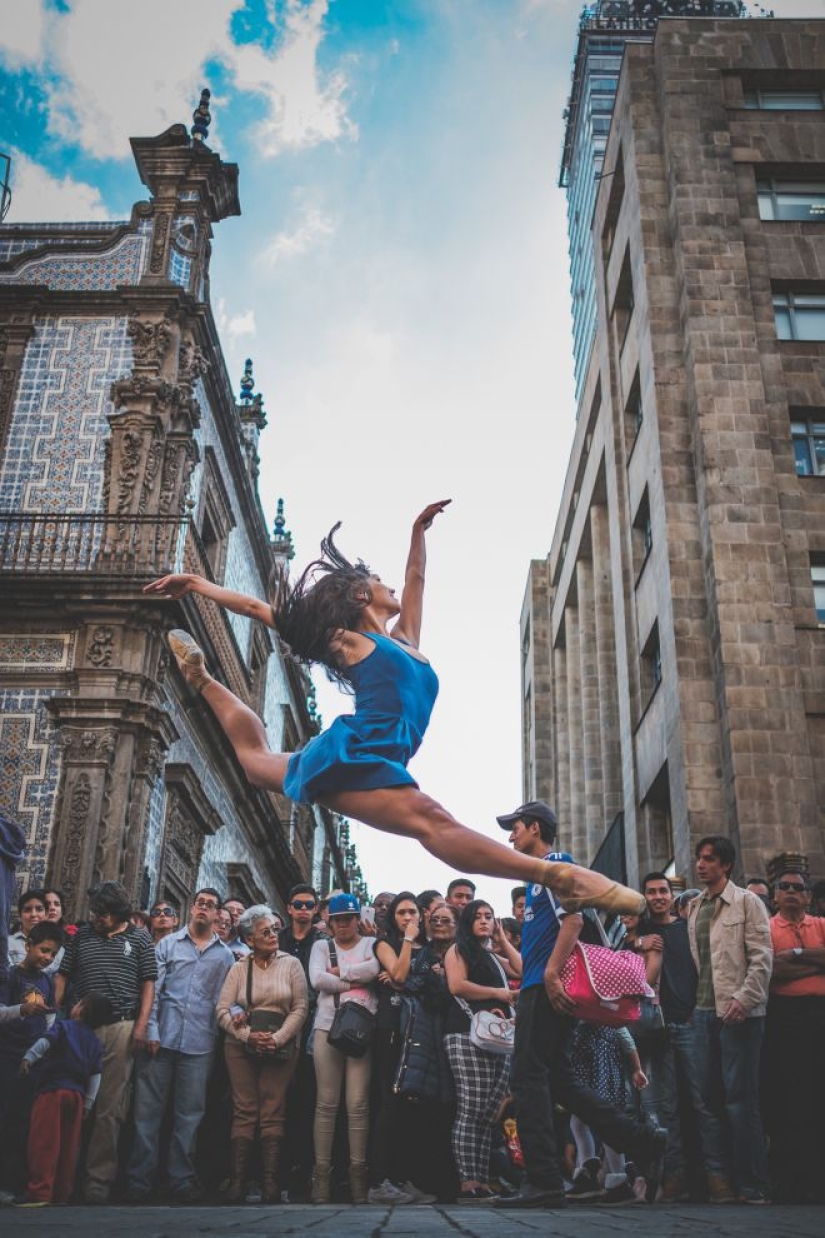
x: 386, y: 1193
x: 418, y: 1197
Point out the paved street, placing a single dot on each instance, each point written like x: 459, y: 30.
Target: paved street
x: 474, y: 1222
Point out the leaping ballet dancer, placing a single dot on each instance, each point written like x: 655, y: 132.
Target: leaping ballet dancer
x: 337, y: 614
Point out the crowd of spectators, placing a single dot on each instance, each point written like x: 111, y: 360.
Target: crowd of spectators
x: 200, y: 1054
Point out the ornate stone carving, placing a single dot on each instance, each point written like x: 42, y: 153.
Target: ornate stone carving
x: 88, y: 746
x: 179, y: 461
x: 77, y: 831
x: 99, y: 652
x: 151, y: 340
x: 129, y: 471
x: 160, y: 242
x: 192, y: 363
x: 150, y: 759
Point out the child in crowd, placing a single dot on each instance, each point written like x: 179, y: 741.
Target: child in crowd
x: 66, y: 1085
x: 26, y: 1011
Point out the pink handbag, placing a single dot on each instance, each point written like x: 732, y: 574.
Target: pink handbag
x: 606, y: 985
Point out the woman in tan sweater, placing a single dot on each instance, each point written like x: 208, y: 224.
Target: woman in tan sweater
x: 262, y: 1007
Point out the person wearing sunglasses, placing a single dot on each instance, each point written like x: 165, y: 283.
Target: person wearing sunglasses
x: 794, y: 1074
x: 163, y: 920
x: 297, y: 939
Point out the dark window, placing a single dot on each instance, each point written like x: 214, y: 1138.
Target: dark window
x: 642, y: 534
x: 784, y: 100
x: 809, y: 446
x: 818, y: 582
x: 799, y: 316
x: 651, y: 666
x: 791, y: 199
x: 624, y: 303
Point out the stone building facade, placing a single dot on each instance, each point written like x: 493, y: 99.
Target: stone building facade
x: 124, y: 454
x: 674, y: 638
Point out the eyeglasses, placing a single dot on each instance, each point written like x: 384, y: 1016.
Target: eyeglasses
x: 787, y: 886
x: 436, y: 920
x: 163, y: 911
x: 303, y: 904
x: 206, y: 904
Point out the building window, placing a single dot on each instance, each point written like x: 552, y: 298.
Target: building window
x: 624, y: 303
x: 634, y: 414
x: 259, y: 650
x: 784, y: 100
x: 216, y: 519
x: 799, y: 316
x: 809, y: 446
x: 791, y: 199
x: 651, y: 666
x: 818, y: 582
x: 642, y: 535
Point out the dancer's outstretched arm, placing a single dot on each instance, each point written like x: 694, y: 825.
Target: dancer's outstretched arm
x: 412, y: 595
x: 178, y: 584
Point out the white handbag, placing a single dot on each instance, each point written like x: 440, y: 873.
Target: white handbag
x: 490, y: 1032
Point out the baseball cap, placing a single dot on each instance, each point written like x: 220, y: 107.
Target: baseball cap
x: 535, y: 810
x: 344, y: 905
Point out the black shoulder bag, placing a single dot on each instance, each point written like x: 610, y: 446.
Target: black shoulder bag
x: 266, y: 1021
x: 352, y: 1024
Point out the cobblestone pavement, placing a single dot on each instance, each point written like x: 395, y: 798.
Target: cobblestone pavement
x: 409, y: 1222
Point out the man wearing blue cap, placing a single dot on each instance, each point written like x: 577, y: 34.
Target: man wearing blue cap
x: 541, y: 1073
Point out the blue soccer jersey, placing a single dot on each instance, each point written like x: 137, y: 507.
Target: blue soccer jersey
x: 542, y: 914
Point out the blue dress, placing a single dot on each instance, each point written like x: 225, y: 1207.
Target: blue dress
x: 394, y: 697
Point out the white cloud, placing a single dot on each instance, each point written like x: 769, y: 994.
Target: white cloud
x: 303, y: 107
x: 98, y: 100
x: 22, y: 27
x: 314, y: 228
x: 37, y: 195
x: 234, y: 326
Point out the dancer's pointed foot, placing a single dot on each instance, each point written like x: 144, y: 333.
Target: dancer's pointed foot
x: 189, y: 657
x: 577, y: 888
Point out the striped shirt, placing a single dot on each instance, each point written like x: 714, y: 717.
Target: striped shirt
x: 116, y: 966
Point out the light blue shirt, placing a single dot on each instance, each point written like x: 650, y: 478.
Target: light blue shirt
x: 186, y: 993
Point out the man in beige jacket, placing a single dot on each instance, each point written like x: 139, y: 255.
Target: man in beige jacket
x: 731, y: 945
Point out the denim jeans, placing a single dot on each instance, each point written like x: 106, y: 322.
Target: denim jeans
x: 184, y: 1076
x: 727, y: 1071
x: 541, y: 1075
x: 676, y: 1060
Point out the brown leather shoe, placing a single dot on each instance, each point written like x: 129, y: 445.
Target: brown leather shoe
x: 270, y: 1156
x: 240, y: 1154
x: 358, y: 1182
x: 720, y: 1190
x: 674, y: 1189
x: 321, y: 1183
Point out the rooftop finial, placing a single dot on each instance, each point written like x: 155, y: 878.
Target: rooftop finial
x: 281, y: 536
x: 202, y: 118
x: 247, y: 382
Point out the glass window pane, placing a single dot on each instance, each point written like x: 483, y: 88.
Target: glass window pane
x: 783, y: 323
x: 790, y: 100
x: 819, y: 603
x: 749, y: 99
x: 810, y: 324
x: 799, y: 206
x: 766, y: 210
x: 802, y: 457
x: 819, y: 455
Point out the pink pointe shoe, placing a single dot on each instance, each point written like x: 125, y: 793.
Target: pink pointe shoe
x: 189, y: 657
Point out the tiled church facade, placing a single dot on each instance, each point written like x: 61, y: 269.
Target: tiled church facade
x: 674, y: 638
x: 125, y: 454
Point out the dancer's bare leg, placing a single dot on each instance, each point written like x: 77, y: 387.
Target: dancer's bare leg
x: 243, y: 728
x: 412, y: 814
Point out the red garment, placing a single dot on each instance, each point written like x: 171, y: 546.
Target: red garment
x: 54, y: 1142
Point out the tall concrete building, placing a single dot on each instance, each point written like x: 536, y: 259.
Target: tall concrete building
x: 125, y: 453
x: 674, y: 637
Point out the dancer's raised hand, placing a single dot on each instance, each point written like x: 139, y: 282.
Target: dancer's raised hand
x: 174, y: 586
x: 430, y: 512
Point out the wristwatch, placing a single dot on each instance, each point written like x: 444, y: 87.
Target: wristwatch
x: 797, y: 950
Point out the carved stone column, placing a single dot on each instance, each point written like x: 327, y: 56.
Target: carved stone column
x: 15, y: 332
x: 82, y: 810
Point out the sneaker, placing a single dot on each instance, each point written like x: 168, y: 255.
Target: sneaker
x: 720, y: 1190
x: 648, y: 1164
x: 192, y: 1193
x: 388, y: 1194
x: 585, y: 1181
x: 621, y: 1194
x: 31, y: 1203
x: 418, y: 1197
x: 530, y: 1196
x: 750, y: 1195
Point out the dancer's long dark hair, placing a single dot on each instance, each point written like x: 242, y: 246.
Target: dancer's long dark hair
x: 328, y: 596
x: 466, y: 942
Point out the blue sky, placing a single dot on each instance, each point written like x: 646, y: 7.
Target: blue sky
x: 398, y: 275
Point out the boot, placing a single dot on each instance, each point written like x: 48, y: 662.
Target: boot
x: 240, y: 1153
x: 321, y: 1175
x: 577, y: 888
x: 270, y: 1155
x: 358, y: 1182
